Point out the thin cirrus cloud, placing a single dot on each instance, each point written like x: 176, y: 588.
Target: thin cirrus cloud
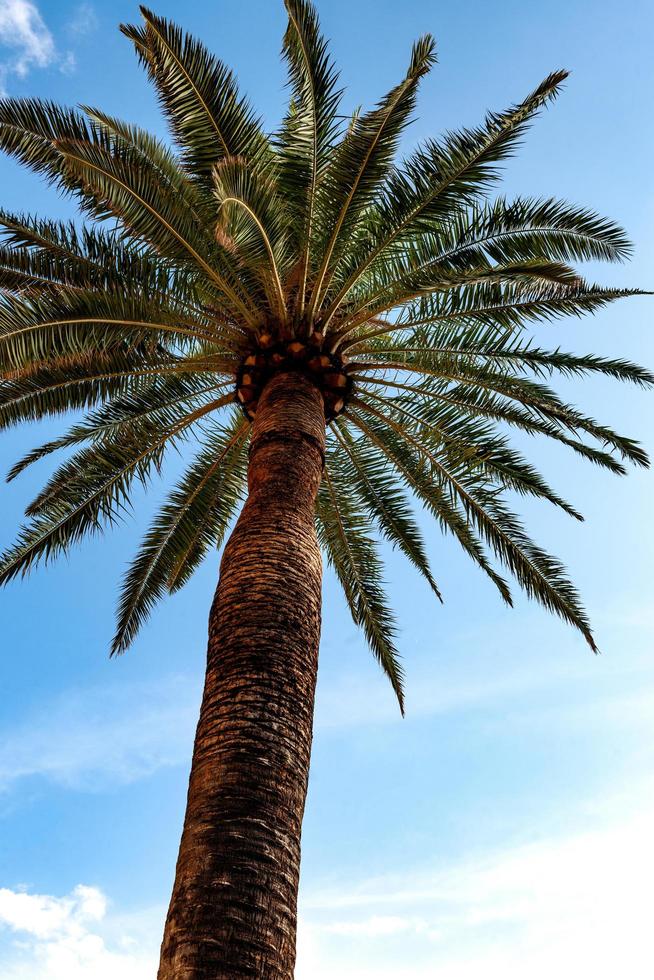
x: 575, y: 905
x: 84, y: 20
x: 24, y: 32
x: 95, y: 737
x: 26, y: 42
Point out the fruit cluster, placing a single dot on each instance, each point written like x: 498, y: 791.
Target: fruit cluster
x: 272, y: 356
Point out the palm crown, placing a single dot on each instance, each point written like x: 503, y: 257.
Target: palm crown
x: 401, y: 289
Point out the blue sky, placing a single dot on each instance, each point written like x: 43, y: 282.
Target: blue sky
x: 503, y: 827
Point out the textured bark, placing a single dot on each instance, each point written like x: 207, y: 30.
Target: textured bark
x: 233, y: 908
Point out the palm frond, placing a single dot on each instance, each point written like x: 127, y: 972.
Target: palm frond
x: 40, y: 328
x: 199, y: 95
x: 115, y: 177
x: 439, y: 179
x: 135, y: 413
x: 505, y: 306
x: 400, y: 288
x: 78, y: 382
x: 310, y: 128
x: 361, y: 162
x: 39, y: 255
x: 411, y: 467
x: 540, y: 575
x: 472, y: 402
x: 365, y: 471
x: 480, y: 448
x: 194, y: 519
x: 252, y: 221
x: 344, y: 533
x: 534, y: 395
x: 90, y: 490
x: 413, y: 278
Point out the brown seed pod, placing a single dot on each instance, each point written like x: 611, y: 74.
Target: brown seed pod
x: 272, y: 353
x: 336, y: 380
x: 246, y: 394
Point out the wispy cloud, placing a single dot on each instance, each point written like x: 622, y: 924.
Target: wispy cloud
x: 84, y: 20
x: 571, y: 905
x: 89, y: 738
x: 29, y: 43
x: 359, y: 699
x: 24, y: 32
x: 93, y: 737
x: 485, y: 665
x: 71, y: 938
x: 575, y: 905
x: 115, y: 734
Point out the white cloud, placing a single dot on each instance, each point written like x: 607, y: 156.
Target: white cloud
x: 574, y: 905
x: 381, y: 925
x: 30, y: 42
x: 441, y: 685
x: 24, y: 31
x: 360, y: 699
x: 376, y: 925
x: 486, y: 666
x: 92, y: 737
x: 577, y: 905
x: 68, y: 63
x: 69, y: 938
x: 84, y: 20
x: 115, y: 734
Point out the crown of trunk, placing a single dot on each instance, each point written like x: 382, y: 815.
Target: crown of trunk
x: 271, y: 355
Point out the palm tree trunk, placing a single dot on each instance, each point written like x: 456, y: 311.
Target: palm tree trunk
x: 234, y: 903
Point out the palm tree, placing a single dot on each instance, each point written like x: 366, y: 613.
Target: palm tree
x: 369, y: 319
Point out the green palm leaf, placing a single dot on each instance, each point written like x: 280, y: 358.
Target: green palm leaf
x: 345, y: 535
x: 310, y: 128
x: 252, y: 221
x: 441, y: 177
x: 194, y: 518
x: 361, y: 161
x: 365, y: 470
x: 93, y: 488
x: 402, y: 456
x: 199, y: 96
x: 399, y: 288
x: 540, y: 575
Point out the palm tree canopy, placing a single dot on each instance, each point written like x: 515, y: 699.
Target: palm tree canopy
x: 403, y: 289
